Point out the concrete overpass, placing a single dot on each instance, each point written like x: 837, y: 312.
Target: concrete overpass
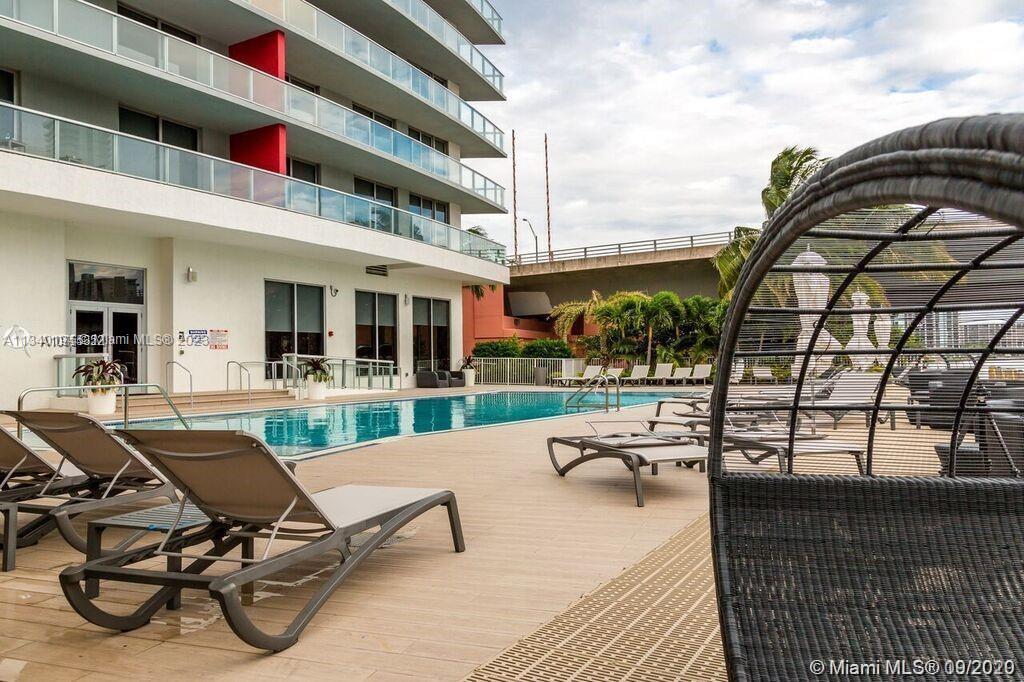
x: 679, y: 264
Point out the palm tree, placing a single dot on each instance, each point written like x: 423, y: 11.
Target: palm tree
x: 790, y: 168
x: 478, y: 290
x: 648, y: 315
x: 566, y: 315
x: 729, y: 261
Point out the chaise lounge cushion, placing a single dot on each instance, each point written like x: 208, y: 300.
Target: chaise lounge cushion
x: 359, y: 507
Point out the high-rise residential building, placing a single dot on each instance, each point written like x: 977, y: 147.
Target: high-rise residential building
x: 277, y: 176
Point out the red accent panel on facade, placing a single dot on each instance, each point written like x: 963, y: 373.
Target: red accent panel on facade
x: 485, y: 320
x: 265, y: 148
x: 265, y: 52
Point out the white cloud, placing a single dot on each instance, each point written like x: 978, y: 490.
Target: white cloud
x: 664, y: 115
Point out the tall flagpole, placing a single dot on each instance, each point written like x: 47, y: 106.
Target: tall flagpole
x: 547, y: 189
x: 515, y: 200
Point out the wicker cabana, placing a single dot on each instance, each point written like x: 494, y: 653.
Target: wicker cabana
x: 871, y: 507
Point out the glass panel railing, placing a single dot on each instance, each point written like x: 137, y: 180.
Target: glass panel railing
x: 434, y: 24
x: 118, y: 35
x: 50, y: 137
x: 489, y: 14
x: 340, y: 38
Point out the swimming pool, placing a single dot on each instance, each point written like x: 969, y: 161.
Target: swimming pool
x: 299, y: 431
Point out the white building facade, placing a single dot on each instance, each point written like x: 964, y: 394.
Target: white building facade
x: 235, y: 181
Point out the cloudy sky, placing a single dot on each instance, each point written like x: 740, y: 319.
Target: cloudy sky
x: 664, y: 115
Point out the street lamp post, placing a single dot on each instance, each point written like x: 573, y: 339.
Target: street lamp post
x: 536, y: 242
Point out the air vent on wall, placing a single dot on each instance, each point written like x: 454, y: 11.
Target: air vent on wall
x: 378, y: 270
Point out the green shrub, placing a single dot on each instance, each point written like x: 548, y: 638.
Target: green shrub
x: 503, y: 348
x: 547, y: 348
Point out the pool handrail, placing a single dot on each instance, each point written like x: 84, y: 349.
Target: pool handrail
x: 125, y: 392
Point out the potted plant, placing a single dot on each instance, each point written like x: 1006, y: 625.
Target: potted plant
x: 469, y: 370
x: 318, y: 375
x: 106, y: 376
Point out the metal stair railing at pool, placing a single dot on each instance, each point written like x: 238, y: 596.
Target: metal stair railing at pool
x: 575, y: 401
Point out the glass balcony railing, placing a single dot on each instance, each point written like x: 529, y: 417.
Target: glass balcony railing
x: 436, y: 25
x: 489, y: 14
x: 104, y: 30
x: 50, y: 137
x: 301, y: 16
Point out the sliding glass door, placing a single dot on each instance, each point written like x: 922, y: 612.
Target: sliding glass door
x: 376, y: 326
x: 432, y: 338
x: 294, y: 319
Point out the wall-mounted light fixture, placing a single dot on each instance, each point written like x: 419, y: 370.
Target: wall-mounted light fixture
x: 191, y: 275
x: 407, y: 299
x: 334, y: 291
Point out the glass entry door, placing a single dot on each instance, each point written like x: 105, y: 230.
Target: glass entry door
x: 114, y: 330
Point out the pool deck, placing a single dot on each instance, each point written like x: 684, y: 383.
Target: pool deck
x: 536, y: 544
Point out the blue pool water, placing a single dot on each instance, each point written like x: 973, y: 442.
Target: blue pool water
x: 298, y: 431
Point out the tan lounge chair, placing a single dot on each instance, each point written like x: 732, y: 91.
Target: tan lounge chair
x: 662, y: 373
x: 114, y: 475
x: 236, y: 480
x: 591, y: 372
x: 637, y: 375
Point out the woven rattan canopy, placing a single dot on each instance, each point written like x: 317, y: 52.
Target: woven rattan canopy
x: 867, y: 498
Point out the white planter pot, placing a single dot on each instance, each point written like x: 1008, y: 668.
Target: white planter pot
x: 101, y: 402
x: 470, y: 375
x: 316, y: 390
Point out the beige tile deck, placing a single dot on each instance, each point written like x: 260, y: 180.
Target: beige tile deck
x: 536, y: 544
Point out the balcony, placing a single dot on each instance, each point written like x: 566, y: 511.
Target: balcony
x: 477, y: 19
x: 367, y: 72
x: 142, y: 46
x: 300, y: 16
x: 50, y: 137
x: 416, y: 30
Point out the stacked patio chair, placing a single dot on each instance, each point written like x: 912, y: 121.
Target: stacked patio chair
x: 914, y: 555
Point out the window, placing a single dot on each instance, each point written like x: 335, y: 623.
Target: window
x: 434, y: 76
x: 377, y: 192
x: 429, y: 140
x: 431, y: 334
x: 294, y: 320
x: 7, y: 92
x: 370, y: 113
x: 156, y: 128
x: 159, y: 24
x: 304, y: 170
x: 299, y: 83
x: 106, y: 283
x: 7, y: 86
x: 376, y: 326
x: 429, y: 208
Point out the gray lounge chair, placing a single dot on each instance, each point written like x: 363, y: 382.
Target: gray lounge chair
x: 115, y: 475
x: 24, y: 474
x: 236, y: 480
x: 636, y: 449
